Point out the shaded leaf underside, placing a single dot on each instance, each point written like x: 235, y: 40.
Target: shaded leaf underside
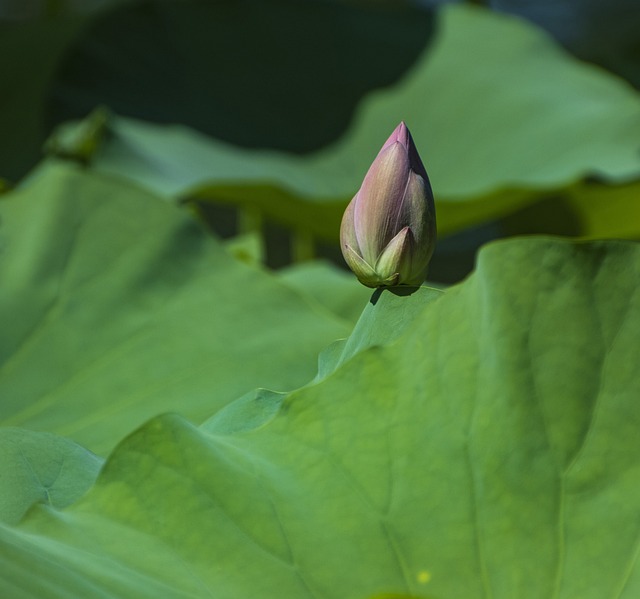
x: 494, y: 139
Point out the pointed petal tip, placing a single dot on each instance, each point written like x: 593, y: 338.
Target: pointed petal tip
x: 394, y: 262
x: 400, y: 135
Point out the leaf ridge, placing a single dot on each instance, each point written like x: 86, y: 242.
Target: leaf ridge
x: 475, y: 516
x: 216, y: 506
x: 601, y: 380
x: 534, y: 385
x: 629, y: 569
x: 401, y: 560
x: 482, y: 564
x: 46, y: 315
x: 285, y: 535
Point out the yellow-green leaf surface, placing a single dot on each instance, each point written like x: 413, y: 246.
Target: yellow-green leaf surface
x: 490, y: 451
x: 501, y: 116
x: 117, y: 306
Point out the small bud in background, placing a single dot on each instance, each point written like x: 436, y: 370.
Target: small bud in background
x: 388, y: 230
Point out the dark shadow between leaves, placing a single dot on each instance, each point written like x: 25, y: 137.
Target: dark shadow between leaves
x: 399, y: 290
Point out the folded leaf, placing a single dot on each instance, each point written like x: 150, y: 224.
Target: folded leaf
x: 41, y: 468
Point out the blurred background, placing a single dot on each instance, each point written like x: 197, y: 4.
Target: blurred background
x: 263, y: 116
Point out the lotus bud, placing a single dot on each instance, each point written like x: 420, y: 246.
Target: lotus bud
x: 388, y: 230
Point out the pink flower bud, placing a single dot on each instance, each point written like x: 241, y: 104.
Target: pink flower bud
x: 388, y: 230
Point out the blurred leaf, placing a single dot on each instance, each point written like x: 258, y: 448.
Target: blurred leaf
x: 4, y: 186
x: 490, y: 451
x: 247, y: 247
x: 29, y: 54
x: 41, y: 468
x: 590, y: 210
x: 81, y: 143
x: 604, y: 210
x: 335, y: 288
x: 111, y: 296
x: 282, y: 74
x: 602, y: 32
x: 500, y: 128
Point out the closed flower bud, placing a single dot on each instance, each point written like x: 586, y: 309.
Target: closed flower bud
x: 388, y: 230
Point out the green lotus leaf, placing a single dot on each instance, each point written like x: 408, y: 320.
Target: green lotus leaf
x: 112, y: 298
x: 491, y: 450
x: 513, y: 122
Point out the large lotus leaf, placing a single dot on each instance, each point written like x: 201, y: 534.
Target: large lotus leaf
x: 491, y: 451
x: 41, y: 467
x: 384, y: 319
x: 600, y: 32
x: 180, y: 61
x: 500, y: 114
x: 117, y: 306
x: 292, y: 83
